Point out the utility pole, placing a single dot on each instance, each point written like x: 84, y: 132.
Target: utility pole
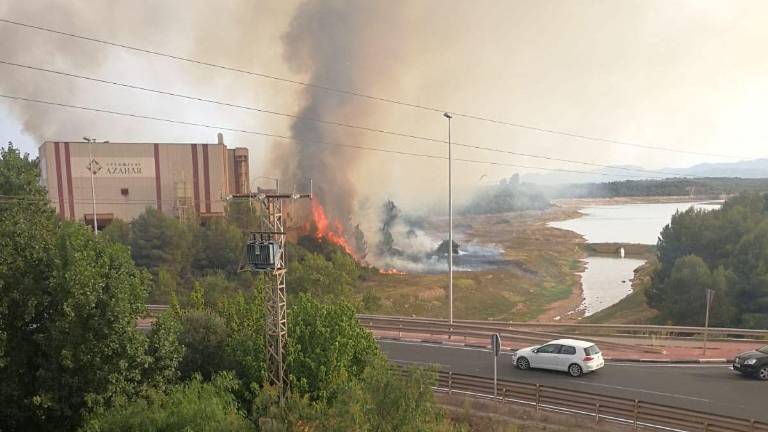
x: 265, y: 252
x: 450, y: 224
x: 93, y: 170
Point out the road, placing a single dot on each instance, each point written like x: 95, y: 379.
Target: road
x: 712, y: 388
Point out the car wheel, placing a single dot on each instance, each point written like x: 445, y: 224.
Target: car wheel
x: 523, y: 363
x: 763, y: 373
x: 575, y: 370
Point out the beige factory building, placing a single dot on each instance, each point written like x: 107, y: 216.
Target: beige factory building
x: 181, y: 180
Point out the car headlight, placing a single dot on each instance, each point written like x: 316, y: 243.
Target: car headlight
x: 750, y: 361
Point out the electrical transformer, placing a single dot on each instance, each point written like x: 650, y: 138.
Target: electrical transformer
x: 261, y: 255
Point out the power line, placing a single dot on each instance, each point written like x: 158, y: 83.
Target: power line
x: 287, y: 138
x: 333, y: 123
x: 365, y: 96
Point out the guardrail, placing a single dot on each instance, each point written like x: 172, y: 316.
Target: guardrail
x: 458, y: 330
x: 587, y: 329
x: 633, y: 413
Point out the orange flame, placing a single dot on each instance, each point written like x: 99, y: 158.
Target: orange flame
x: 391, y: 271
x: 334, y: 234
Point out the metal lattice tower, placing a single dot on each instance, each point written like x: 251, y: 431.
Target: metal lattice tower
x: 272, y: 240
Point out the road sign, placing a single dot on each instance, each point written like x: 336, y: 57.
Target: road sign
x: 496, y: 344
x: 495, y: 349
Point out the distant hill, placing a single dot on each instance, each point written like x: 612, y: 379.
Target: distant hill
x: 756, y: 168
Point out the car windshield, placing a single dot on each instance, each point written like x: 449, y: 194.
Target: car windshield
x: 592, y: 350
x: 763, y: 350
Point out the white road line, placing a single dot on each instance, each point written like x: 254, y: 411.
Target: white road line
x: 608, y: 362
x: 646, y: 391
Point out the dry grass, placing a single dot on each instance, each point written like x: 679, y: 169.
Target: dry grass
x: 540, y: 272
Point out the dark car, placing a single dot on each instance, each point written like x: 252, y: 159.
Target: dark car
x: 753, y: 363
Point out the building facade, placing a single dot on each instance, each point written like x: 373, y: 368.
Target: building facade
x: 181, y: 180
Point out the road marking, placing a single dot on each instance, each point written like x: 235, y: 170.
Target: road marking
x: 646, y: 391
x: 608, y: 362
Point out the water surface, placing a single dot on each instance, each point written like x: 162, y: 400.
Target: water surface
x: 606, y: 281
x: 626, y: 223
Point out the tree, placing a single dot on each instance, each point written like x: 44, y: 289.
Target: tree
x: 326, y: 346
x: 159, y: 241
x: 165, y: 351
x: 192, y: 406
x: 68, y: 320
x: 221, y: 247
x: 684, y: 296
x: 19, y: 174
x: 118, y: 231
x: 204, y: 338
x: 315, y: 275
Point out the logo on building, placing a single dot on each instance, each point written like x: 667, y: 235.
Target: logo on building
x: 93, y: 166
x: 114, y: 167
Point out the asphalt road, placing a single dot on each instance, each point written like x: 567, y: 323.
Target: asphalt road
x: 711, y: 388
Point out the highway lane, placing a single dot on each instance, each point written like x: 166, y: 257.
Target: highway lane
x: 709, y: 388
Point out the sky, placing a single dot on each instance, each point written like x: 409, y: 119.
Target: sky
x: 685, y: 74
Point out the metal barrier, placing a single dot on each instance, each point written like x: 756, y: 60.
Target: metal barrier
x: 580, y: 329
x: 459, y: 330
x: 633, y: 413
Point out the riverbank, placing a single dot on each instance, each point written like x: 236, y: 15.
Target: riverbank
x: 539, y: 279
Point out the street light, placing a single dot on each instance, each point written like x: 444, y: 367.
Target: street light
x: 92, y: 168
x: 450, y: 224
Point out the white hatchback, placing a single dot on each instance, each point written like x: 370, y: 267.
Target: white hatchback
x: 569, y: 355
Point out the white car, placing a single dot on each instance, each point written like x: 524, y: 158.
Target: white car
x: 569, y: 355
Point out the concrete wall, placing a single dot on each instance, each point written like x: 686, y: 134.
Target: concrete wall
x: 175, y: 178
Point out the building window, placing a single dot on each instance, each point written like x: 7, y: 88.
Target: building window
x: 124, y: 191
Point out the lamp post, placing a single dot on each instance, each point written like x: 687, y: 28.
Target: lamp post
x: 450, y: 224
x: 92, y: 170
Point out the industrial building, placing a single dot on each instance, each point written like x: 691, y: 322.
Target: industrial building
x: 181, y: 180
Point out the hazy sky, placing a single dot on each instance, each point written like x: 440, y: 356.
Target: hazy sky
x: 689, y: 75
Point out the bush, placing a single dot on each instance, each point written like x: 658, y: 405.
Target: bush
x: 193, y: 406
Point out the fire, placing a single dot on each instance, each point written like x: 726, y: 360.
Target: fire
x: 333, y: 233
x: 391, y: 271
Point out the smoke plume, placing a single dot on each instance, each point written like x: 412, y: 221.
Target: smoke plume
x: 328, y: 42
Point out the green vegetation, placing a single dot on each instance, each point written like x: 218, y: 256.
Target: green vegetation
x: 725, y: 250
x: 703, y: 187
x: 72, y: 358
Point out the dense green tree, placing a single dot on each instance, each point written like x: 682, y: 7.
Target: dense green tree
x: 68, y: 317
x: 684, y: 300
x: 204, y: 336
x: 192, y: 406
x: 19, y: 175
x: 118, y: 231
x: 315, y: 275
x: 731, y: 255
x: 245, y: 347
x: 159, y: 241
x: 326, y: 346
x: 220, y: 247
x: 165, y: 351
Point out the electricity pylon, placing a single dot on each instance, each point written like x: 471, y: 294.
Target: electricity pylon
x: 265, y: 252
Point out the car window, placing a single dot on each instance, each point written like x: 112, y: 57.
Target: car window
x: 549, y: 349
x: 592, y: 350
x: 764, y: 349
x: 568, y: 350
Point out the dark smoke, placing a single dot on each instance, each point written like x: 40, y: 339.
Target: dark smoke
x: 327, y: 41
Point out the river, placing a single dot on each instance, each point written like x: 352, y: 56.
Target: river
x: 607, y: 280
